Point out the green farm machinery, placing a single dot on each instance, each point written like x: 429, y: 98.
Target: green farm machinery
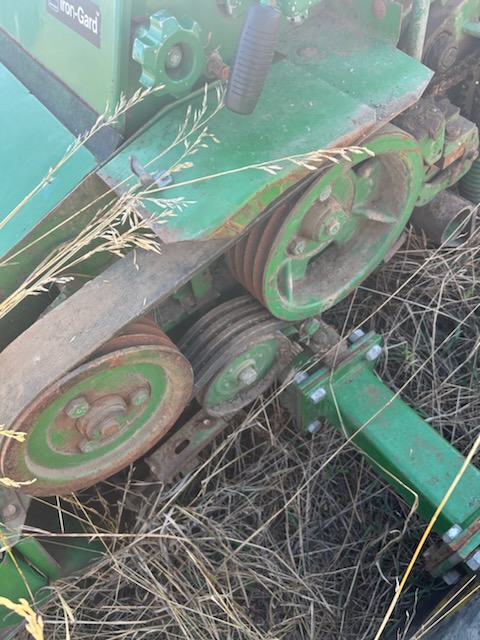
x: 208, y: 178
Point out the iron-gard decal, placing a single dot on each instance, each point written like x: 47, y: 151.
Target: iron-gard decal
x: 83, y: 16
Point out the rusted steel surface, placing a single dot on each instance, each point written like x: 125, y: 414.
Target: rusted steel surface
x: 451, y: 550
x: 69, y: 334
x: 178, y: 454
x: 100, y: 417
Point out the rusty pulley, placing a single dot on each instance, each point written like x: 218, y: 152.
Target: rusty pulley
x: 101, y: 416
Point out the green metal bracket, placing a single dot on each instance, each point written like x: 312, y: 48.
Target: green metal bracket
x: 405, y: 449
x: 30, y: 563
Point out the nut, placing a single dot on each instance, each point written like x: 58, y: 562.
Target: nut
x: 297, y: 247
x: 140, y: 396
x: 451, y: 577
x: 473, y: 563
x: 247, y: 376
x: 300, y: 377
x: 77, y: 407
x: 313, y: 427
x: 373, y: 353
x: 9, y: 512
x: 452, y: 533
x: 318, y: 395
x: 356, y: 335
x: 332, y: 227
x: 174, y: 57
x: 87, y: 446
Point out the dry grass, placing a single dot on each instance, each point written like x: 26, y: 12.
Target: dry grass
x: 267, y: 541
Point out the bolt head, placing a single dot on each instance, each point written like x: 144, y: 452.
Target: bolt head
x: 9, y: 512
x: 318, y: 395
x: 356, y: 335
x: 87, y: 446
x: 297, y: 247
x: 300, y: 377
x: 452, y: 533
x: 332, y: 227
x: 373, y: 353
x: 326, y: 193
x: 77, y: 408
x: 247, y: 376
x: 451, y: 577
x: 174, y: 57
x: 313, y: 427
x: 140, y: 396
x: 473, y: 563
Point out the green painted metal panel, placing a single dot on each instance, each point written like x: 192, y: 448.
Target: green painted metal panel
x: 299, y: 112
x: 32, y: 141
x: 99, y: 67
x: 96, y: 73
x: 297, y: 115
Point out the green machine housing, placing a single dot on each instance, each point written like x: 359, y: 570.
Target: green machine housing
x: 363, y: 116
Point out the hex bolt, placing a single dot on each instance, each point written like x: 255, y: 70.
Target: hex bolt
x: 373, y: 353
x: 174, y: 57
x: 356, y: 335
x: 87, y: 446
x: 247, y: 376
x: 318, y: 395
x: 451, y: 577
x: 326, y: 193
x: 332, y: 227
x: 140, y: 396
x: 452, y: 533
x: 300, y: 377
x: 297, y: 247
x: 313, y: 427
x: 473, y: 563
x: 9, y: 511
x: 77, y: 408
x: 453, y: 130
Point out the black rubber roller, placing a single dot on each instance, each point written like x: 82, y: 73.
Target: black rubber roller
x: 253, y: 58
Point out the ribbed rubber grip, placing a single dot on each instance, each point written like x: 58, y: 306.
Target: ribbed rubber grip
x: 253, y: 58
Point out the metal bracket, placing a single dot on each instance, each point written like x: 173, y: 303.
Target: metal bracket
x: 161, y: 179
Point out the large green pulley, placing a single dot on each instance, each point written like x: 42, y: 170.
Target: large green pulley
x: 101, y: 416
x: 309, y: 256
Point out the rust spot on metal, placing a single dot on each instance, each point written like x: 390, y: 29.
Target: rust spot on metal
x: 178, y: 453
x: 440, y: 554
x: 379, y: 9
x: 123, y: 418
x: 216, y: 67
